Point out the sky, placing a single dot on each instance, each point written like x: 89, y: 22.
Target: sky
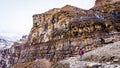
x: 16, y: 15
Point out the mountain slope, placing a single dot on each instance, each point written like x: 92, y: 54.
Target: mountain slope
x: 103, y: 57
x: 58, y: 35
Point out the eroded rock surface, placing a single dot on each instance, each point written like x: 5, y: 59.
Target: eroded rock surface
x: 103, y: 2
x: 70, y: 21
x: 61, y: 32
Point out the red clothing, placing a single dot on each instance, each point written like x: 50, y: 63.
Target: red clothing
x: 81, y: 52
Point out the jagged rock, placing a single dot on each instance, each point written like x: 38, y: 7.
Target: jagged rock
x: 72, y: 21
x: 115, y: 60
x: 93, y: 65
x: 103, y: 2
x: 108, y: 63
x: 49, y: 26
x: 42, y: 63
x: 76, y: 63
x: 61, y: 65
x: 59, y: 33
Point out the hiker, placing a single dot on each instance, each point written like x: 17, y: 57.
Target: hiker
x: 81, y: 53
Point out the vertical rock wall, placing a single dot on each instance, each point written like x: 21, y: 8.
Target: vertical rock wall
x: 60, y: 33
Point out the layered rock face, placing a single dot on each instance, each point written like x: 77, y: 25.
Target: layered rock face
x: 53, y: 24
x: 103, y: 2
x: 61, y: 32
x: 71, y: 21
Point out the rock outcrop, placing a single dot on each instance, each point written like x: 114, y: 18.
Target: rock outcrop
x: 53, y: 24
x: 61, y: 32
x: 40, y: 63
x: 71, y: 21
x: 103, y: 57
x: 103, y: 2
x: 74, y: 62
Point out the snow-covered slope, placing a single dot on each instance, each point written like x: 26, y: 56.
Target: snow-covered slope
x: 7, y: 39
x: 5, y: 43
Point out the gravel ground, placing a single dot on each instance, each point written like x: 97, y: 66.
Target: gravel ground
x: 75, y: 63
x: 108, y: 51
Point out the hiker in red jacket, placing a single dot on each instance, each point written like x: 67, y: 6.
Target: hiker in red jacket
x: 81, y: 53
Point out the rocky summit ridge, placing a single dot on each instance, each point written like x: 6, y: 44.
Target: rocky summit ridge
x: 59, y: 33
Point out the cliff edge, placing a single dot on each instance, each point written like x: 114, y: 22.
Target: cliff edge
x: 59, y: 33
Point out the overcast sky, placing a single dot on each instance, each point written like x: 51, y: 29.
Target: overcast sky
x: 16, y: 15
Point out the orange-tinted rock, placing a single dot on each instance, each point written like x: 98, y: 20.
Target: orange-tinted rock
x: 59, y: 33
x: 72, y: 21
x: 103, y: 2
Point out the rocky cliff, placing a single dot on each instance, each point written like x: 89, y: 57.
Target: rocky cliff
x: 53, y: 24
x: 59, y: 33
x: 104, y: 2
x: 71, y: 21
